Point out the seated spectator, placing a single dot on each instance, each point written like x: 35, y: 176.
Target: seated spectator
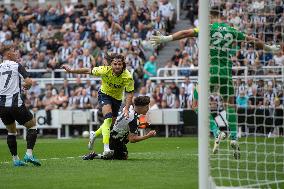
x: 170, y: 98
x: 171, y: 72
x: 84, y: 100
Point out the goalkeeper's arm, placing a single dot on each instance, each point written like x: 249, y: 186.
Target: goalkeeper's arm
x: 261, y: 45
x: 158, y: 39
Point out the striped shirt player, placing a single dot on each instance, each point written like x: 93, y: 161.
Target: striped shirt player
x: 119, y: 134
x: 12, y: 107
x: 11, y: 104
x: 125, y: 129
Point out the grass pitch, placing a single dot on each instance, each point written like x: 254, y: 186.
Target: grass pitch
x: 157, y: 163
x: 154, y: 163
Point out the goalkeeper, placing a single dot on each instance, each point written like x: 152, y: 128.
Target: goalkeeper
x: 222, y: 39
x: 115, y: 80
x: 125, y: 130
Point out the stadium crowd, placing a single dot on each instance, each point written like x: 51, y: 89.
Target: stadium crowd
x: 80, y: 34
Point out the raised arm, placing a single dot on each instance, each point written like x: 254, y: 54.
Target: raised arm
x: 77, y: 71
x: 261, y: 45
x: 128, y: 102
x: 159, y: 38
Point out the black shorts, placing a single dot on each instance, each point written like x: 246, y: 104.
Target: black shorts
x: 20, y: 114
x: 120, y: 149
x: 106, y: 99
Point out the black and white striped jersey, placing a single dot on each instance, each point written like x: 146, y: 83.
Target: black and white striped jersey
x: 11, y: 74
x: 123, y: 126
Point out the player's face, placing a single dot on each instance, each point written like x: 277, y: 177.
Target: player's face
x: 117, y: 66
x: 13, y: 55
x: 142, y: 109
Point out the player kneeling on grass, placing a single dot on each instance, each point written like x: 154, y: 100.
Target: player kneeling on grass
x: 12, y: 107
x: 125, y: 130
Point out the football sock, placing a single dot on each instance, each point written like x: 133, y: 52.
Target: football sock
x: 232, y: 120
x: 98, y: 132
x: 12, y: 143
x: 15, y: 158
x: 106, y: 147
x: 106, y: 130
x: 213, y: 127
x: 31, y: 140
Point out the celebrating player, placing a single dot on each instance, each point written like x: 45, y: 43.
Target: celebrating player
x: 115, y: 80
x: 125, y: 129
x: 12, y: 107
x: 222, y: 39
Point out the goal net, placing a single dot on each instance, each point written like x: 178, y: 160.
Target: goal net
x: 246, y: 84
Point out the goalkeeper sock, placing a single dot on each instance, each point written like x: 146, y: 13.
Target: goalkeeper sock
x: 232, y: 120
x: 213, y: 127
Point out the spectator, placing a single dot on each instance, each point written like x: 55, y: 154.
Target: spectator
x: 242, y: 100
x: 176, y: 57
x: 170, y: 98
x: 150, y: 68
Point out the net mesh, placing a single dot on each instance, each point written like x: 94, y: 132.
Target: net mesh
x: 246, y: 94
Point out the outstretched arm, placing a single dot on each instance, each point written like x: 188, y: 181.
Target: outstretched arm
x: 159, y: 38
x: 135, y: 138
x: 77, y: 71
x: 261, y: 45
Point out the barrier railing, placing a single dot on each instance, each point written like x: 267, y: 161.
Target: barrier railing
x: 177, y: 77
x: 66, y: 118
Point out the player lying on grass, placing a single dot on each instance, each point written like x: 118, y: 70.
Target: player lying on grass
x: 125, y: 130
x: 116, y: 80
x: 12, y: 107
x: 222, y: 41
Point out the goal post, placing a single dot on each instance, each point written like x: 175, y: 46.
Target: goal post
x: 252, y: 154
x: 203, y: 78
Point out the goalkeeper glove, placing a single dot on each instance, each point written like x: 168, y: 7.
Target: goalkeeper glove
x: 272, y: 48
x: 159, y: 38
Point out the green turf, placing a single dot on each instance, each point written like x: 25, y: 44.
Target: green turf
x: 154, y: 163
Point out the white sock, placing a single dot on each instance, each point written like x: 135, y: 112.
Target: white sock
x: 106, y: 147
x: 15, y: 158
x: 29, y: 152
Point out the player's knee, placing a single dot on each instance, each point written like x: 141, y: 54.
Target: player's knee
x: 30, y: 124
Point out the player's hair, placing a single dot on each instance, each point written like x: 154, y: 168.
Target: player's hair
x: 110, y: 57
x: 6, y: 48
x: 216, y: 11
x: 142, y: 101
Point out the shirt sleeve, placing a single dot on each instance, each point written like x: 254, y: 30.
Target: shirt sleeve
x: 240, y: 36
x: 99, y: 71
x: 133, y: 126
x: 22, y: 71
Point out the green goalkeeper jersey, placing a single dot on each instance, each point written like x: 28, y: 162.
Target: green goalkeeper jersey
x: 223, y: 39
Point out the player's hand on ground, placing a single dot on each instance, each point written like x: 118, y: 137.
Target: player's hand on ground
x: 272, y: 48
x: 151, y: 133
x: 66, y: 68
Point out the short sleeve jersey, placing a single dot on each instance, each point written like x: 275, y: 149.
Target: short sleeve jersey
x: 123, y: 126
x: 113, y: 85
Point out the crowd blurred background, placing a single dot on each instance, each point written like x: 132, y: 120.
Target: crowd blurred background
x: 79, y: 34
